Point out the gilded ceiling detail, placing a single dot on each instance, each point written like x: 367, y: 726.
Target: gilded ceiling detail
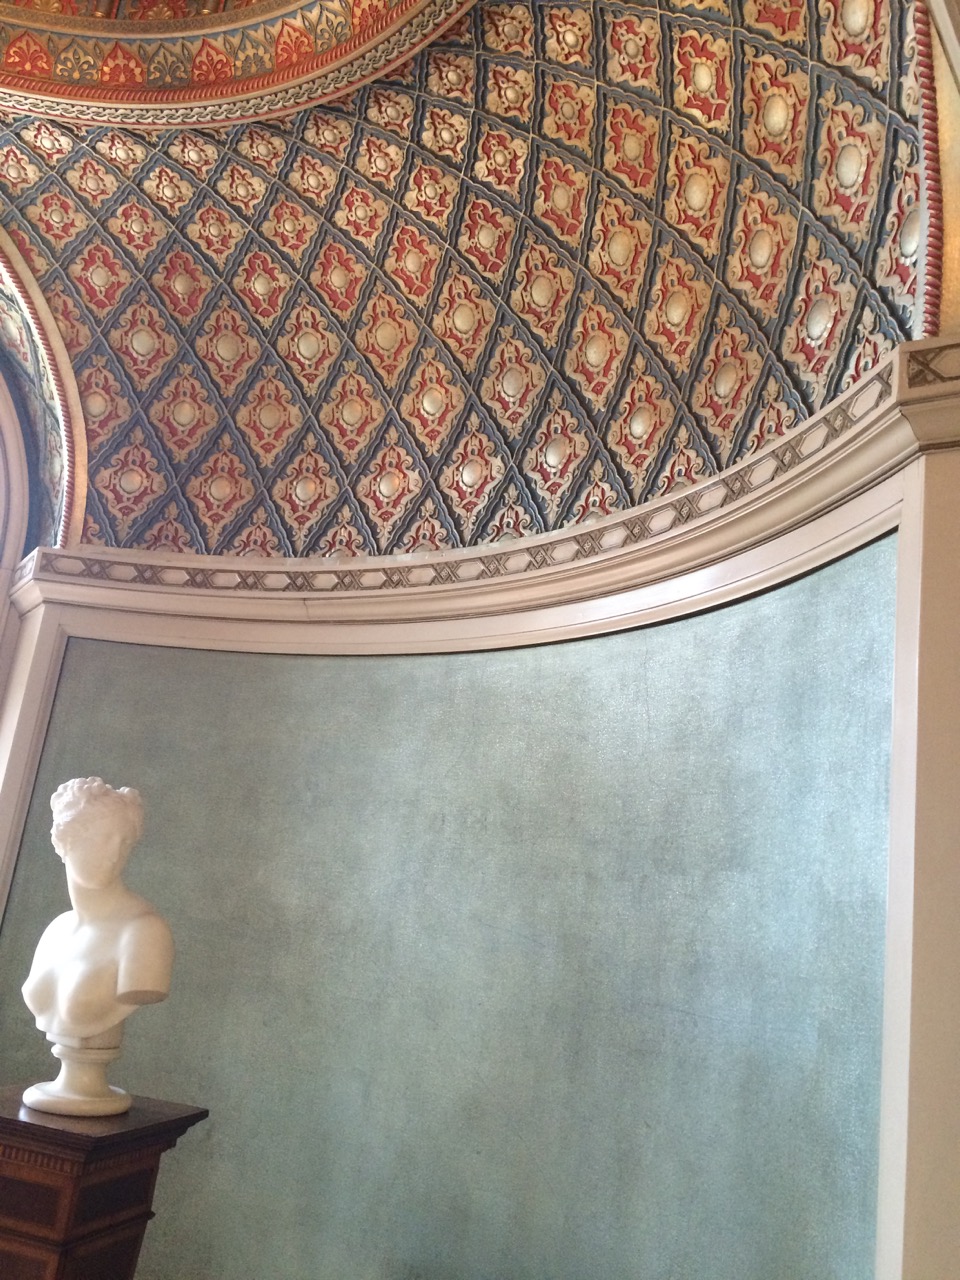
x: 567, y: 259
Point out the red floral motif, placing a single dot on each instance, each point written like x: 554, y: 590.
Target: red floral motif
x: 412, y: 262
x: 92, y: 181
x: 513, y: 383
x: 501, y: 160
x: 47, y: 141
x: 290, y: 227
x: 338, y: 277
x: 866, y: 51
x: 105, y: 407
x: 510, y: 91
x: 215, y: 232
x: 37, y: 261
x: 542, y: 290
x: 568, y: 36
x: 773, y: 418
x: 823, y: 302
x: 57, y: 217
x: 463, y: 318
x: 386, y: 336
x: 486, y: 234
x: 211, y: 65
x: 17, y: 170
x: 470, y: 477
x: 329, y: 133
x: 632, y: 148
x: 389, y: 484
x: 257, y: 539
x: 142, y: 342
x: 26, y: 56
x: 379, y: 160
x: 226, y: 347
x: 182, y: 283
x: 168, y: 189
x: 445, y: 132
x: 764, y: 236
x: 130, y: 482
x: 122, y: 151
x: 678, y: 304
x: 451, y: 75
x: 304, y: 491
x: 263, y: 148
x: 391, y: 110
x: 312, y: 178
x: 219, y: 489
x: 697, y: 181
x: 351, y: 413
x: 554, y: 456
x: 100, y: 275
x: 432, y: 402
x: 633, y: 53
x: 342, y: 539
x: 596, y: 355
x: 268, y: 417
x: 431, y: 193
x: 307, y: 346
x: 849, y: 160
x: 120, y: 66
x: 729, y: 373
x: 784, y: 19
x: 621, y: 241
x: 901, y: 239
x: 561, y: 199
x: 569, y: 115
x: 701, y: 80
x: 137, y: 228
x: 870, y: 345
x: 508, y: 29
x: 684, y: 465
x: 263, y: 285
x: 76, y: 335
x: 194, y: 153
x: 637, y: 432
x: 427, y: 532
x: 509, y: 519
x: 242, y: 188
x: 597, y: 498
x: 293, y: 45
x: 183, y: 414
x: 361, y: 214
x: 169, y: 533
x: 775, y: 105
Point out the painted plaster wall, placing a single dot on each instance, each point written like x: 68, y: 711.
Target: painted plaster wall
x: 535, y: 965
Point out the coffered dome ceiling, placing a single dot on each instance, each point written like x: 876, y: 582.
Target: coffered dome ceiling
x: 566, y: 259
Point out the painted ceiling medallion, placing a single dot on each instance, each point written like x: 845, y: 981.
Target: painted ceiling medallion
x: 202, y: 62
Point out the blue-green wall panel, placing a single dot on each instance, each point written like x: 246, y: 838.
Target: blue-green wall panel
x: 550, y: 964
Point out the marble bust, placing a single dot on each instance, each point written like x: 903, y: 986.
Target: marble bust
x: 97, y: 963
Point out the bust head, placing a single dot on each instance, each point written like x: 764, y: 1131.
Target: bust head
x: 94, y: 828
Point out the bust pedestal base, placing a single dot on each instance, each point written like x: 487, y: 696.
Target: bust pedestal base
x: 76, y: 1191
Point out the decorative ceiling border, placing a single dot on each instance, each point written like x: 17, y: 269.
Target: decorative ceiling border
x: 858, y: 440
x: 304, y: 79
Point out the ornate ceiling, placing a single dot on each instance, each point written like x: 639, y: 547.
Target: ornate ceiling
x: 567, y: 259
x: 201, y: 61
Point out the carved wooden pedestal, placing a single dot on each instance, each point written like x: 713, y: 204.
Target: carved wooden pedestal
x: 75, y: 1193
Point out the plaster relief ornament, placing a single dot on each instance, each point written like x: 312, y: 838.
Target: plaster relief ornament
x: 99, y: 962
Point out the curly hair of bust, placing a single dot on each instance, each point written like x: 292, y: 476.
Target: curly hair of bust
x: 95, y: 799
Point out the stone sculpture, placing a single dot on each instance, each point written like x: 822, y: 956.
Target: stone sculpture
x: 96, y: 964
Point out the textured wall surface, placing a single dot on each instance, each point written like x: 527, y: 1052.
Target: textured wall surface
x: 563, y: 962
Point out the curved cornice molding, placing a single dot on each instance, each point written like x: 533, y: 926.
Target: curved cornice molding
x: 863, y: 438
